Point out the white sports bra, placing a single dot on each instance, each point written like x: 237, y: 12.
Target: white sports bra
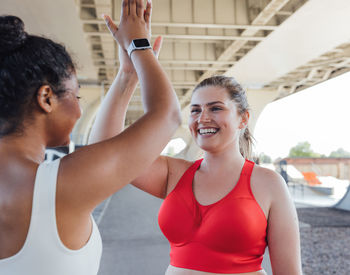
x: 43, y: 253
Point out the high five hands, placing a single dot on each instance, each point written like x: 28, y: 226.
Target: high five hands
x: 135, y: 22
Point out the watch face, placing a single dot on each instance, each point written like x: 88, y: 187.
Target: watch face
x: 141, y: 42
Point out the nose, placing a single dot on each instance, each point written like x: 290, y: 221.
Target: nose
x: 204, y: 116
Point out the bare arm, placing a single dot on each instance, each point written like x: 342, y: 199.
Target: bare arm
x: 283, y: 231
x: 111, y: 115
x: 94, y: 172
x: 110, y: 118
x: 114, y: 106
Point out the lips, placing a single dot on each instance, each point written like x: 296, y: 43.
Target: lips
x: 207, y: 131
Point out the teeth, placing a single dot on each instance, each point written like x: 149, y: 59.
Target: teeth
x: 207, y: 131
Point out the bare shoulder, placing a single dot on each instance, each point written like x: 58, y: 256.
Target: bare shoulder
x: 267, y: 178
x: 267, y: 187
x: 177, y: 168
x: 178, y: 164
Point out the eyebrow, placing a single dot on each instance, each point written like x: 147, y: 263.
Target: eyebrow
x: 208, y: 104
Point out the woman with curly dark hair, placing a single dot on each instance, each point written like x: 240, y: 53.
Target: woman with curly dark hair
x: 46, y: 225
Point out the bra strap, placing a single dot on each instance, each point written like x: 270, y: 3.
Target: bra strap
x: 244, y: 187
x: 188, y: 175
x: 248, y: 168
x: 196, y: 165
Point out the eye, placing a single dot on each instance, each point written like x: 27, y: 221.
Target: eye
x: 195, y: 111
x: 78, y: 97
x: 215, y: 108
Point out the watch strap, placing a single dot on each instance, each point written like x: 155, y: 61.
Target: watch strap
x: 133, y: 45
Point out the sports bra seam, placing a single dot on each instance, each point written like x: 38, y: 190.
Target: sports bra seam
x: 203, y: 244
x: 81, y: 250
x: 57, y: 237
x: 238, y: 184
x: 189, y: 242
x: 245, y: 176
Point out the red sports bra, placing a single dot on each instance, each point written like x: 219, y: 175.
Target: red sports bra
x: 228, y: 236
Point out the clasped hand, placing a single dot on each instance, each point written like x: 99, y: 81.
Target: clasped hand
x: 135, y: 22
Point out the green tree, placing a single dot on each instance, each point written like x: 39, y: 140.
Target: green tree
x: 264, y: 158
x: 303, y: 149
x: 340, y: 153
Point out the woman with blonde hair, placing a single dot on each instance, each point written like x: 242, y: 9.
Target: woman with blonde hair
x: 220, y: 212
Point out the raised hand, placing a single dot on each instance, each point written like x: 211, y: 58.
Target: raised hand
x: 125, y: 62
x: 132, y: 22
x: 147, y: 14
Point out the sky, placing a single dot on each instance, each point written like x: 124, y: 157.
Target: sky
x: 175, y: 146
x: 319, y: 115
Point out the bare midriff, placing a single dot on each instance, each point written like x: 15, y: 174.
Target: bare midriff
x: 172, y: 270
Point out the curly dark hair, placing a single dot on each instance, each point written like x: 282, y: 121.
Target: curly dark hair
x: 26, y: 63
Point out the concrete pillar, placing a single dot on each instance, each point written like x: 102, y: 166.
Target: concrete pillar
x: 258, y: 99
x: 90, y: 102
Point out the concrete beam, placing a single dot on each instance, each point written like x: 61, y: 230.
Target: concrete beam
x: 301, y: 38
x: 193, y: 25
x: 192, y: 37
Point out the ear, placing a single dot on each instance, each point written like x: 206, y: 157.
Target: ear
x: 45, y: 98
x: 244, y: 120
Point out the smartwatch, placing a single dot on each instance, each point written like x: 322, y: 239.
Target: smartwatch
x: 138, y: 44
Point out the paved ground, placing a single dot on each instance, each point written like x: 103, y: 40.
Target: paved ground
x: 324, y: 233
x: 325, y: 243
x: 132, y: 241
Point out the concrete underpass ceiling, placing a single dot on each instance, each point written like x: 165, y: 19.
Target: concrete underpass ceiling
x: 275, y: 47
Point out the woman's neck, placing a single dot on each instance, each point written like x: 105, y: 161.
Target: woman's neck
x: 225, y: 159
x: 29, y: 145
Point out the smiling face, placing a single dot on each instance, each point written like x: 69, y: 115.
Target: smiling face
x: 214, y: 122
